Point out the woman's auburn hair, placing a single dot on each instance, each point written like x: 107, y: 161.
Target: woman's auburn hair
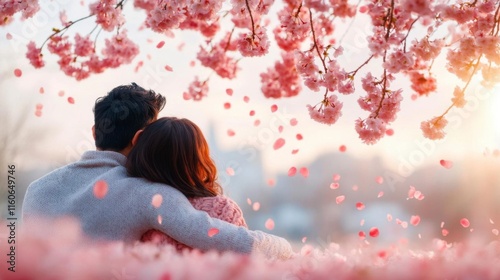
x: 174, y: 152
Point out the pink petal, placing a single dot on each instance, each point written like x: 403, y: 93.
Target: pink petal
x: 304, y: 239
x: 389, y: 132
x: 256, y: 123
x: 246, y: 99
x: 100, y: 189
x: 495, y: 231
x: 374, y: 232
x: 159, y: 218
x: 444, y: 232
x: 212, y: 232
x: 379, y: 180
x: 270, y: 224
x: 280, y: 128
x: 380, y: 194
x: 334, y: 186
x: 271, y: 182
x: 491, y: 222
x: 230, y: 171
x: 274, y: 108
x: 362, y: 222
x: 160, y: 44
x: 415, y: 220
x: 168, y: 68
x: 38, y: 113
x: 230, y: 132
x: 304, y: 172
x: 256, y: 206
x: 249, y: 201
x: 389, y: 217
x: 229, y: 91
x: 336, y: 177
x: 71, y: 100
x: 299, y: 136
x: 465, y: 222
x: 8, y: 36
x: 157, y: 200
x: 61, y: 93
x: 442, y: 224
x: 39, y: 106
x: 360, y: 206
x: 252, y: 113
x: 355, y: 187
x: 279, y: 143
x: 295, y: 151
x: 446, y: 163
x: 227, y: 105
x: 342, y: 148
x: 339, y: 199
x: 362, y: 235
x: 363, y: 9
x: 186, y: 96
x: 293, y: 122
x: 292, y: 171
x: 17, y: 72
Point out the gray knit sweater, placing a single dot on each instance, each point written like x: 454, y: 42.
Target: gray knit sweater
x: 126, y: 212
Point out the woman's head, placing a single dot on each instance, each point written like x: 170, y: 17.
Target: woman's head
x: 174, y: 151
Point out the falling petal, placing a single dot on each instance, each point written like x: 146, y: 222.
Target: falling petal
x: 279, y: 143
x: 38, y: 113
x: 293, y: 122
x: 295, y: 151
x: 280, y: 128
x: 444, y: 232
x: 160, y: 44
x: 362, y: 222
x: 389, y: 132
x: 17, y: 72
x: 39, y: 106
x: 362, y: 235
x: 299, y: 136
x: 465, y: 222
x: 71, y: 100
x: 227, y: 105
x: 252, y: 113
x: 256, y: 206
x: 339, y: 199
x: 249, y: 201
x: 495, y: 231
x: 379, y: 180
x: 446, y: 163
x: 389, y: 217
x: 100, y: 189
x: 304, y: 172
x: 355, y: 187
x: 230, y: 132
x: 334, y: 186
x: 269, y: 224
x: 159, y: 219
x: 61, y: 93
x: 230, y: 171
x: 212, y: 232
x: 157, y: 200
x: 8, y: 36
x: 404, y: 224
x: 246, y: 99
x: 304, y: 239
x: 274, y: 108
x: 168, y: 68
x: 292, y: 171
x: 442, y: 224
x: 229, y: 91
x: 380, y: 194
x: 271, y: 182
x: 41, y: 90
x: 360, y: 206
x: 342, y: 148
x: 186, y: 96
x: 374, y: 232
x: 256, y: 123
x: 415, y: 220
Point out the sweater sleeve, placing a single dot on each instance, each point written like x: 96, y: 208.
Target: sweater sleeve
x: 177, y: 218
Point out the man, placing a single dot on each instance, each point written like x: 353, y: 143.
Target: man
x: 112, y: 206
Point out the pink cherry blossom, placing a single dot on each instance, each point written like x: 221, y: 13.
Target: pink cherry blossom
x: 433, y: 129
x: 328, y: 112
x: 34, y: 55
x: 254, y: 43
x: 108, y: 14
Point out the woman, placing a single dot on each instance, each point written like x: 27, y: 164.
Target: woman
x: 174, y: 151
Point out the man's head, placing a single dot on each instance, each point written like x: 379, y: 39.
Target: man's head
x: 121, y: 113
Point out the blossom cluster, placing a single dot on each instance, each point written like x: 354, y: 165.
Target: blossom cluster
x: 405, y: 38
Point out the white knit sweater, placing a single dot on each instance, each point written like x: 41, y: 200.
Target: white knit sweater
x: 126, y: 211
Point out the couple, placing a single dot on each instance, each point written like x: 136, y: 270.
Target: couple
x: 139, y: 158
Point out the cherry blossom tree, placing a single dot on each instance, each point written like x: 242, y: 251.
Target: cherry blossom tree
x: 406, y: 37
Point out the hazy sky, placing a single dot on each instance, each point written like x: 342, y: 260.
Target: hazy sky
x: 63, y: 130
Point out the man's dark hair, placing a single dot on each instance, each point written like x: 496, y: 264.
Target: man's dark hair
x: 122, y: 112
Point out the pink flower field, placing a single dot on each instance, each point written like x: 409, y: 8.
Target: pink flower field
x: 66, y: 254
